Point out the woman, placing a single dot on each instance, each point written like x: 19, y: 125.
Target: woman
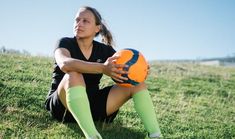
x: 80, y: 63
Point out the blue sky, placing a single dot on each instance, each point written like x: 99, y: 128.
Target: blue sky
x: 160, y: 29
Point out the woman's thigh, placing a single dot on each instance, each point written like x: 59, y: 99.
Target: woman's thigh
x: 69, y: 80
x: 118, y: 95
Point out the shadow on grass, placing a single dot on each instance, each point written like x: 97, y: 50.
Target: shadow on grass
x: 111, y: 131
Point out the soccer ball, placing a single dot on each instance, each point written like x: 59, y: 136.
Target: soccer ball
x: 137, y: 67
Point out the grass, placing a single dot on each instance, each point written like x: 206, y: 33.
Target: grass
x: 192, y: 102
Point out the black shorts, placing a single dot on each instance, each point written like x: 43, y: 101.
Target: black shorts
x: 97, y: 101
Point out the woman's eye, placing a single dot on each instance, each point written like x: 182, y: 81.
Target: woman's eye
x: 82, y: 20
x: 77, y: 20
x: 86, y: 21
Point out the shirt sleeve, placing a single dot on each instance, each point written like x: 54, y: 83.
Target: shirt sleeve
x: 63, y: 43
x: 111, y: 51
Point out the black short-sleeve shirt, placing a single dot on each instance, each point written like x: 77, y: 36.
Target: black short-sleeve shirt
x: 100, y: 53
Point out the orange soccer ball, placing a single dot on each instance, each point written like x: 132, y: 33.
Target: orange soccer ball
x: 137, y: 67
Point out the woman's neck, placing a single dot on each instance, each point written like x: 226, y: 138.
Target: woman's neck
x: 85, y: 44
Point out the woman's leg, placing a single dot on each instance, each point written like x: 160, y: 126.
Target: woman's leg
x: 119, y: 95
x: 71, y: 79
x: 142, y: 103
x: 72, y: 93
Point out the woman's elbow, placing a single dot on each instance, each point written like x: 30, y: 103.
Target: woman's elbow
x: 64, y: 66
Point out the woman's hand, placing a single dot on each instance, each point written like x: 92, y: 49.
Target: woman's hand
x: 114, y: 70
x: 148, y: 70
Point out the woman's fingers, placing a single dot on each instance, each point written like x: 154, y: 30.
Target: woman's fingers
x: 120, y: 68
x: 116, y: 70
x: 119, y: 77
x: 113, y: 58
x: 148, y: 70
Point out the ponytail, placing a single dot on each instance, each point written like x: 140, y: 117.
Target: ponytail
x: 106, y: 35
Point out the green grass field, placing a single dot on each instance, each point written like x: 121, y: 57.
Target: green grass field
x: 192, y: 102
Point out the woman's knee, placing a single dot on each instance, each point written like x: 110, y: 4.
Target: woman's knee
x: 139, y: 87
x: 74, y: 79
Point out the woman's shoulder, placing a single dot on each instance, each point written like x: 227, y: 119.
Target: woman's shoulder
x: 102, y: 45
x: 66, y: 39
x: 65, y: 42
x: 96, y: 43
x: 103, y: 49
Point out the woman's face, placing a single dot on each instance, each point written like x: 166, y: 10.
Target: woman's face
x: 85, y: 24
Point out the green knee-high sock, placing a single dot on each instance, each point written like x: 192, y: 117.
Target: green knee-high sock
x: 78, y: 105
x: 144, y: 107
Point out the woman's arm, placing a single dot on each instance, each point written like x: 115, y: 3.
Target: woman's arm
x: 67, y: 64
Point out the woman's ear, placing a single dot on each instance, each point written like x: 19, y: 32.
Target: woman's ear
x: 98, y: 28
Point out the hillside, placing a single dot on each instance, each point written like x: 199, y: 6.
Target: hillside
x: 192, y: 101
x: 222, y: 59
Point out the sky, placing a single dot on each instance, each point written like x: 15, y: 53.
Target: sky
x: 160, y: 29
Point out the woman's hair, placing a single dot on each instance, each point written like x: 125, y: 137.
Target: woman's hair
x: 106, y: 35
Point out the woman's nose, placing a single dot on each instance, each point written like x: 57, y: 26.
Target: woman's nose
x: 80, y: 23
